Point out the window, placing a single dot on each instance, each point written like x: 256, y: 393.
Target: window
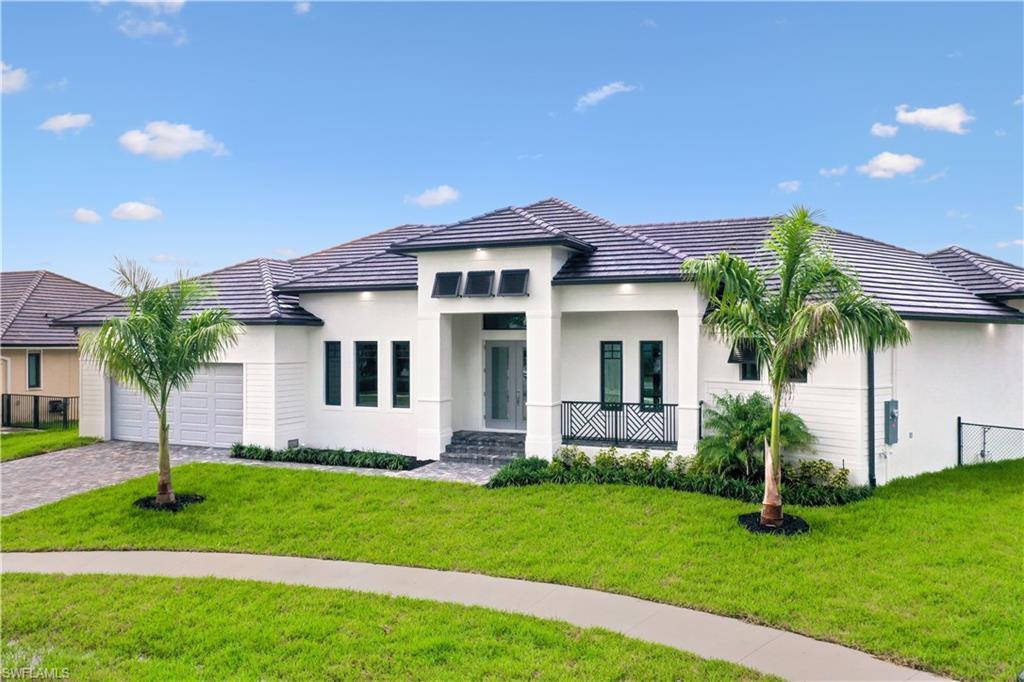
x: 744, y: 354
x: 332, y: 372
x: 611, y: 374
x: 400, y: 374
x: 366, y: 373
x: 480, y: 283
x: 513, y: 282
x: 651, y: 374
x: 500, y: 321
x: 35, y: 374
x: 749, y: 371
x: 446, y: 284
x: 798, y: 375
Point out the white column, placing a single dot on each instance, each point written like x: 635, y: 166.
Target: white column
x: 432, y: 360
x: 689, y: 382
x: 543, y: 383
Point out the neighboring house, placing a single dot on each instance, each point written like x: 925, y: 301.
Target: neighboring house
x: 553, y: 323
x: 37, y: 358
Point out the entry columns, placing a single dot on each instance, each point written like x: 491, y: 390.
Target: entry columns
x: 432, y: 360
x: 543, y: 383
x: 689, y: 381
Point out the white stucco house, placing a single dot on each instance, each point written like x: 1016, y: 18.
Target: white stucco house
x: 525, y: 328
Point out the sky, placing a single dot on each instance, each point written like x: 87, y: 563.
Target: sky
x: 196, y: 134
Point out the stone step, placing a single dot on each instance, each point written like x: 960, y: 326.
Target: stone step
x: 489, y: 439
x: 484, y: 450
x: 466, y: 458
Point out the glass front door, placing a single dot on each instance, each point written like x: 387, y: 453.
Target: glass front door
x: 505, y: 385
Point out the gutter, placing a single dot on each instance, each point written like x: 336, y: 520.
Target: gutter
x: 871, y: 417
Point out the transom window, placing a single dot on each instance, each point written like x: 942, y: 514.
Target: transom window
x: 651, y: 374
x: 479, y: 283
x: 501, y: 321
x: 513, y: 282
x: 366, y: 373
x: 446, y: 284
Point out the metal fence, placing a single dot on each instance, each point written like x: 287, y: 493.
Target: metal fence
x: 977, y: 443
x: 39, y: 411
x: 595, y: 423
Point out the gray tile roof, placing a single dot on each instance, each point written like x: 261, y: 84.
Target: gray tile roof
x: 246, y: 289
x: 982, y: 275
x: 357, y: 249
x: 30, y: 300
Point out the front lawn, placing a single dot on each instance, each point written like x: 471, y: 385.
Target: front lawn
x: 126, y: 627
x: 927, y: 572
x: 27, y: 443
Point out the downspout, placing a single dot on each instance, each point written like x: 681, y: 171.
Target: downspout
x: 871, y: 417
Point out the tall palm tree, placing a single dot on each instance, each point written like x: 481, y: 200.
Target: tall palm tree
x: 160, y: 345
x: 791, y: 314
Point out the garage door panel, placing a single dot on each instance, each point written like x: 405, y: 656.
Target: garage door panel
x: 207, y: 413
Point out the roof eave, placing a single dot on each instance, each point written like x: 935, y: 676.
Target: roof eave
x: 617, y: 279
x: 344, y: 288
x: 945, y: 317
x: 574, y: 244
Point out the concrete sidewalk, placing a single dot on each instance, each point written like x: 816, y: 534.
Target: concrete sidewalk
x: 765, y: 649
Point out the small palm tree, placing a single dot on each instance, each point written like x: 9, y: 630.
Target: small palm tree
x: 792, y: 314
x: 160, y: 345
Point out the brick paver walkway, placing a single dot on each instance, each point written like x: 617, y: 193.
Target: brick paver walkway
x: 35, y: 481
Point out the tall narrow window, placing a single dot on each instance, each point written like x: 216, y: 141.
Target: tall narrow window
x: 35, y: 361
x: 366, y: 373
x: 749, y: 371
x: 400, y: 374
x: 332, y: 372
x: 651, y: 374
x: 611, y: 374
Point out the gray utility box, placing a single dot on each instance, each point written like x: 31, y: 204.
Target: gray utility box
x: 892, y: 422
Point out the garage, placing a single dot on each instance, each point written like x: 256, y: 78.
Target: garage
x: 208, y: 413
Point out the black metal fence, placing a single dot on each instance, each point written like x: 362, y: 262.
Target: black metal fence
x: 977, y: 443
x: 596, y: 423
x: 40, y: 411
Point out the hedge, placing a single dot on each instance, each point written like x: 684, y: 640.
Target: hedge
x: 338, y: 458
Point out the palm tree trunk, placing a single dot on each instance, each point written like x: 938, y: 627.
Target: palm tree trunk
x: 771, y: 507
x: 164, y: 491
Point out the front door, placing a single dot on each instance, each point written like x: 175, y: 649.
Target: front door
x: 505, y: 385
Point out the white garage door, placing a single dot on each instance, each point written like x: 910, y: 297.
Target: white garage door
x: 208, y: 413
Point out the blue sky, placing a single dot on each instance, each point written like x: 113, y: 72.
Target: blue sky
x: 217, y: 132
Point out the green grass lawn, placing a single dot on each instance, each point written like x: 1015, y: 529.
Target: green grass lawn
x: 928, y: 572
x: 27, y: 443
x: 125, y: 627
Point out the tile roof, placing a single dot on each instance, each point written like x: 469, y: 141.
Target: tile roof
x: 30, y: 300
x: 982, y: 275
x: 246, y: 289
x: 357, y: 249
x: 509, y: 226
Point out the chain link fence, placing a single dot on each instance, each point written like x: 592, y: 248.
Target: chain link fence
x: 978, y: 443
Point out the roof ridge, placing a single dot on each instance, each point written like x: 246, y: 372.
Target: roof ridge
x: 717, y: 221
x: 977, y: 260
x: 6, y: 324
x: 339, y: 266
x: 357, y: 240
x: 651, y: 241
x: 541, y: 223
x: 268, y: 287
x: 573, y: 207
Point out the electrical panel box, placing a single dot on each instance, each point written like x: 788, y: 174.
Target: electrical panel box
x: 892, y: 422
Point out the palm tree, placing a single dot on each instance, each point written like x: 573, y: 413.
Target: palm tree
x: 790, y: 315
x: 160, y: 345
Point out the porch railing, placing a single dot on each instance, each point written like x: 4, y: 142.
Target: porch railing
x: 39, y: 411
x: 597, y: 423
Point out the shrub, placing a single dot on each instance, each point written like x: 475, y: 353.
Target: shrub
x: 304, y: 455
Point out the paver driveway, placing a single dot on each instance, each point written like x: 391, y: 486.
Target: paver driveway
x: 41, y: 479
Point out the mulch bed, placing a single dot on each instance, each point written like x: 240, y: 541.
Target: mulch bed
x: 791, y: 525
x: 181, y: 500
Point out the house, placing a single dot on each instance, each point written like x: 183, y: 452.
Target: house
x: 529, y: 327
x: 37, y: 358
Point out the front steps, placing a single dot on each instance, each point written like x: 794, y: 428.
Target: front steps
x: 485, y: 447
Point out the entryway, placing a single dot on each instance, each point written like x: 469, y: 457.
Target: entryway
x: 505, y: 385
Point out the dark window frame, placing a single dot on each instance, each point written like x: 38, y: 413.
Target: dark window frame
x: 526, y: 282
x: 612, y: 405
x: 328, y: 345
x: 490, y: 284
x: 437, y: 283
x: 495, y: 317
x: 657, y: 405
x: 750, y: 371
x: 359, y: 345
x: 395, y: 345
x: 798, y: 376
x: 38, y: 355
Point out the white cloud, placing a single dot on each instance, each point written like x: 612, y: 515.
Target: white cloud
x: 442, y: 194
x: 1019, y: 207
x: 12, y: 80
x: 284, y: 252
x: 58, y: 124
x: 649, y: 23
x: 165, y: 140
x: 135, y: 27
x: 164, y: 258
x: 832, y: 172
x: 602, y: 93
x: 883, y: 130
x: 1019, y: 101
x: 160, y: 6
x: 302, y: 7
x: 789, y: 186
x: 62, y: 84
x: 935, y: 176
x: 85, y: 215
x: 999, y: 132
x: 954, y: 214
x: 529, y: 157
x: 135, y: 210
x: 1012, y: 242
x: 888, y: 165
x: 950, y: 118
